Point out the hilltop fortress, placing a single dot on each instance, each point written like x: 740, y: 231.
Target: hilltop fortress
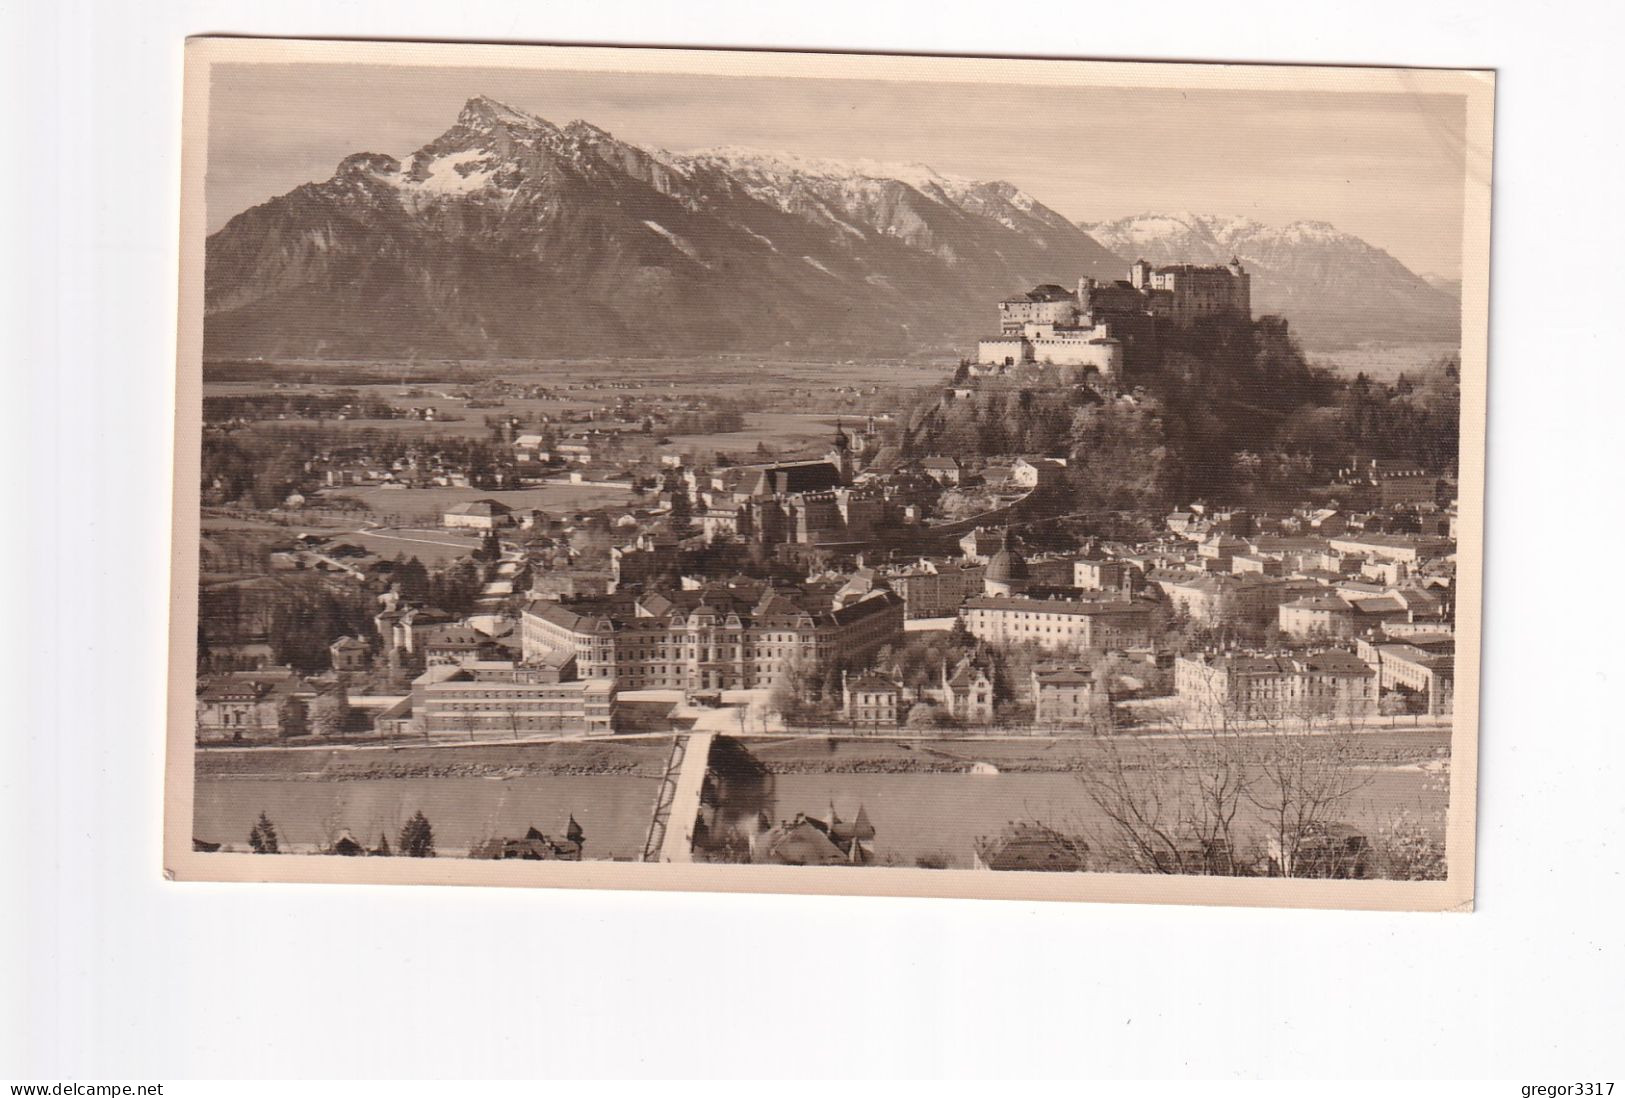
x: 1101, y: 322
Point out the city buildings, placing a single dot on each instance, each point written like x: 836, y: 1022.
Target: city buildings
x: 1059, y: 622
x: 1420, y: 667
x: 1096, y: 324
x: 724, y: 636
x: 254, y: 706
x: 1331, y: 683
x: 934, y: 589
x: 496, y: 700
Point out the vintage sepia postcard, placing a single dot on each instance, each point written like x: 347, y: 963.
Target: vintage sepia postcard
x: 888, y: 475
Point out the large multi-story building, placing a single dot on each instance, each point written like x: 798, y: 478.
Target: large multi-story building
x: 1421, y: 667
x: 1059, y: 623
x: 486, y: 700
x: 1332, y: 683
x: 1405, y: 548
x: 932, y: 589
x: 1390, y: 483
x: 1102, y: 322
x: 1211, y: 597
x: 733, y: 636
x: 797, y: 503
x: 1197, y: 291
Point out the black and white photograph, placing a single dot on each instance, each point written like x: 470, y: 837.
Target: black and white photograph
x: 751, y: 547
x: 712, y: 470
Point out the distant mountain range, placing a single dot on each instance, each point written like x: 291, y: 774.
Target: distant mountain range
x: 1335, y: 288
x: 508, y: 236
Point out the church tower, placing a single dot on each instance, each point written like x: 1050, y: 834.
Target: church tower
x: 840, y: 454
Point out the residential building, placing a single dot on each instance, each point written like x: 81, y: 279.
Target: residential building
x: 1216, y: 597
x: 1332, y: 683
x: 477, y: 514
x: 1063, y: 696
x: 1038, y: 472
x: 1406, y: 548
x: 1031, y: 847
x: 253, y: 706
x: 943, y: 470
x: 1060, y: 622
x: 349, y: 654
x: 871, y: 700
x: 1389, y: 483
x: 980, y: 544
x: 967, y: 692
x: 1100, y: 575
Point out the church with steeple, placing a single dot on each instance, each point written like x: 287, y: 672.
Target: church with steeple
x: 840, y: 454
x: 804, y: 502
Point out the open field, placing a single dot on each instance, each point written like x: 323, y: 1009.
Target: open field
x: 424, y: 506
x: 786, y: 433
x: 432, y: 547
x: 1383, y: 361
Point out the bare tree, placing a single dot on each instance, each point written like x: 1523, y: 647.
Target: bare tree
x: 1202, y: 800
x: 1171, y: 804
x: 1308, y: 768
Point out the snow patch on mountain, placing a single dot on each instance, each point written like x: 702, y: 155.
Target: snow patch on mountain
x: 776, y: 163
x: 456, y: 173
x: 674, y: 240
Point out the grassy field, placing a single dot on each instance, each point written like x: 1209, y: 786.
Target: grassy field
x: 1383, y: 361
x: 786, y: 433
x: 432, y: 547
x: 424, y: 506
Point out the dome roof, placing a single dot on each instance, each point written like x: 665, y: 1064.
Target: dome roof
x: 1007, y: 564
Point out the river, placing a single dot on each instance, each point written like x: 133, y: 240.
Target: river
x: 936, y: 814
x: 613, y: 809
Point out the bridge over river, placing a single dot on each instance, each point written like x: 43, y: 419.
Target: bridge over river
x: 677, y: 804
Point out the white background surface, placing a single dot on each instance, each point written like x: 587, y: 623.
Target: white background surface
x: 110, y: 972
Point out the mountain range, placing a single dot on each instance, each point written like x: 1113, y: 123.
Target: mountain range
x: 509, y: 236
x: 1335, y: 288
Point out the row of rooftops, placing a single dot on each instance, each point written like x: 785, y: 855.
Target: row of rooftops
x: 1329, y: 661
x: 740, y: 606
x: 249, y: 686
x: 1065, y: 606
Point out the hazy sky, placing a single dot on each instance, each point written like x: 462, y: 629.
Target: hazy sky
x: 1388, y: 168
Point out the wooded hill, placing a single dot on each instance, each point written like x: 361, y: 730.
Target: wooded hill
x: 1228, y: 409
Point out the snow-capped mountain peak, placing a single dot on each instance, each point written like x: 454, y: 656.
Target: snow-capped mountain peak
x: 1334, y: 286
x: 769, y: 162
x: 484, y: 113
x: 509, y: 235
